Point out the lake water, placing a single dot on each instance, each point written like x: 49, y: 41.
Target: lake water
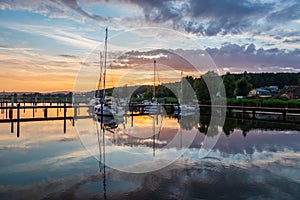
x: 151, y: 157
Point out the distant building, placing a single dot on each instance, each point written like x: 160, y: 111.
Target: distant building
x: 274, y: 89
x: 292, y: 91
x: 240, y: 97
x: 259, y: 93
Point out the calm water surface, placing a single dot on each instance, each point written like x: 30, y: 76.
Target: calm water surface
x: 251, y: 160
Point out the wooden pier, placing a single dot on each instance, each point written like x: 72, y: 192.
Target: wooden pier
x: 132, y: 109
x: 10, y: 110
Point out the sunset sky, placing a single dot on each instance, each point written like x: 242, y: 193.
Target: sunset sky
x: 45, y: 44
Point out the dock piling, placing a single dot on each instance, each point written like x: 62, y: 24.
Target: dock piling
x: 10, y: 117
x: 45, y: 112
x: 65, y: 118
x: 18, y: 120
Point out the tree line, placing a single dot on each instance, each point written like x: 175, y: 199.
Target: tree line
x: 211, y: 85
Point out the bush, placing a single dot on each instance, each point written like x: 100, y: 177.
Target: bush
x: 284, y: 97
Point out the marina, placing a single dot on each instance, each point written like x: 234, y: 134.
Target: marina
x: 146, y: 100
x: 68, y: 112
x: 250, y: 155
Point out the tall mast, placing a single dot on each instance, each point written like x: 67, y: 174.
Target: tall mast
x: 105, y: 56
x: 181, y: 87
x: 154, y: 69
x: 97, y: 94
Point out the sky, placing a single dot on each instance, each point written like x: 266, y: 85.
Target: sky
x: 53, y: 45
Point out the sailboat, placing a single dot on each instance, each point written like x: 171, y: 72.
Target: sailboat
x: 153, y: 106
x: 182, y: 108
x: 104, y: 105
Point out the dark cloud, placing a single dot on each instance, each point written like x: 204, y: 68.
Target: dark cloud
x: 203, y: 17
x: 237, y: 58
x: 4, y: 46
x: 248, y: 57
x: 73, y: 4
x: 164, y: 57
x: 209, y: 17
x: 68, y: 56
x: 292, y: 40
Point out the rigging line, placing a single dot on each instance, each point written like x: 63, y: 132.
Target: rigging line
x: 99, y: 145
x: 105, y: 57
x: 104, y: 166
x: 154, y: 72
x: 160, y: 128
x: 101, y: 70
x: 158, y: 80
x: 100, y: 75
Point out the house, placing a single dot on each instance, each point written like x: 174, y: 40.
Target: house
x: 292, y: 91
x: 259, y: 93
x: 274, y: 89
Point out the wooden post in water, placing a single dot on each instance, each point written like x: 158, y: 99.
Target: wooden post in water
x: 284, y: 115
x: 65, y: 118
x: 132, y: 115
x: 75, y: 115
x: 6, y: 109
x: 18, y: 120
x: 228, y: 112
x: 253, y: 114
x: 11, y: 117
x: 75, y: 112
x: 243, y: 111
x: 24, y: 104
x: 45, y: 113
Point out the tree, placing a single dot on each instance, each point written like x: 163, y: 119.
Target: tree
x: 201, y: 90
x: 243, y: 86
x: 299, y: 81
x: 190, y: 79
x: 229, y: 84
x: 207, y: 86
x: 148, y: 94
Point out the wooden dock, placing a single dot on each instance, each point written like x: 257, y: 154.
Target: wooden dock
x: 133, y: 109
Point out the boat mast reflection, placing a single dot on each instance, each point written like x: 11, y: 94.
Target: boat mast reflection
x: 101, y: 144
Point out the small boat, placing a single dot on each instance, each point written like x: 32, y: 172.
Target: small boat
x: 104, y: 105
x: 110, y: 121
x: 109, y: 107
x: 153, y: 107
x: 103, y: 109
x: 183, y: 108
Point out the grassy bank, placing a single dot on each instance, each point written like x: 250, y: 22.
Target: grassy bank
x: 278, y: 103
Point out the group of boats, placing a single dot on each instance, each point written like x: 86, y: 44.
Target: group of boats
x: 109, y: 110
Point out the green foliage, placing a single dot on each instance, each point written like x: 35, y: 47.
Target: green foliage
x: 148, y: 94
x: 207, y: 87
x: 243, y: 86
x: 170, y: 100
x: 299, y: 81
x: 201, y: 91
x: 267, y: 79
x: 284, y: 97
x: 230, y: 85
x: 278, y: 103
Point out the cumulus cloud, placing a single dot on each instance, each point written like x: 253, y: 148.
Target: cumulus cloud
x: 248, y: 57
x: 209, y: 18
x: 233, y: 57
x: 213, y: 17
